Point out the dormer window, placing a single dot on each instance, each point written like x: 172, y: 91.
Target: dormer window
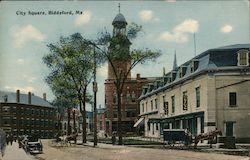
x: 243, y: 56
x: 182, y: 71
x: 194, y: 65
x: 173, y: 76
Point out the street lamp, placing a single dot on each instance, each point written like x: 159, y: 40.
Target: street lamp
x: 95, y: 91
x: 95, y: 88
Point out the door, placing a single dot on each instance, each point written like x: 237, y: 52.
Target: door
x: 229, y: 129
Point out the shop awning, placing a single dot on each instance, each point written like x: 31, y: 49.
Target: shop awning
x: 139, y: 122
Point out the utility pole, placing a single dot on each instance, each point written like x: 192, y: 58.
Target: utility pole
x: 95, y: 91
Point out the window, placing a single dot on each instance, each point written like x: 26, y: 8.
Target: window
x: 232, y: 99
x: 130, y: 113
x: 128, y: 96
x: 100, y: 125
x: 173, y: 103
x: 146, y: 106
x: 182, y: 71
x: 194, y: 65
x: 243, y: 56
x: 157, y: 127
x: 114, y: 114
x: 133, y: 96
x: 156, y: 104
x: 151, y: 104
x: 173, y: 75
x: 114, y: 98
x: 185, y: 101
x: 142, y: 106
x: 197, y: 92
x: 6, y: 109
x: 165, y: 108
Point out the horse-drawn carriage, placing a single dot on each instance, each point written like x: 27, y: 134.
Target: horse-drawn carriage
x: 183, y: 136
x: 180, y: 136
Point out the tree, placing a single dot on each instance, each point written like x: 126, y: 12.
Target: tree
x: 71, y: 64
x: 65, y: 97
x: 118, y: 45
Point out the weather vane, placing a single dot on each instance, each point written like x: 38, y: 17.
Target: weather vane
x: 119, y: 7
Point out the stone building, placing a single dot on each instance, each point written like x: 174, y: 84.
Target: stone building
x: 212, y: 90
x: 132, y: 87
x: 27, y: 114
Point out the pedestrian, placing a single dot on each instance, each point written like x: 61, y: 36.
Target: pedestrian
x: 7, y: 139
x: 11, y: 139
x: 113, y: 138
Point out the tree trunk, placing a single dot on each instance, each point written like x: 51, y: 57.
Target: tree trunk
x: 119, y: 124
x: 68, y: 128
x: 74, y: 121
x: 84, y: 126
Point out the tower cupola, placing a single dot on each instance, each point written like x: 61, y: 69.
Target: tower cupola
x: 119, y: 23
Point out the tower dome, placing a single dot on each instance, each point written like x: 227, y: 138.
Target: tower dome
x: 119, y: 19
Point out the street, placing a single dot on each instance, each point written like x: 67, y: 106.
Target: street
x: 110, y: 152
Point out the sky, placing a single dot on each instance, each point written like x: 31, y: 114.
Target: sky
x: 168, y: 26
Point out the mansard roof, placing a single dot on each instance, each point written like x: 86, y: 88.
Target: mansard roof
x: 212, y: 59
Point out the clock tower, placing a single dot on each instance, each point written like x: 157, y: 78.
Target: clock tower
x: 119, y: 48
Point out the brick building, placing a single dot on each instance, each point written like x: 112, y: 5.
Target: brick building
x: 26, y: 114
x: 132, y: 87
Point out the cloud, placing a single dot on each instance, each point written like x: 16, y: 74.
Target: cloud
x: 25, y: 34
x: 247, y: 3
x: 29, y: 79
x: 171, y: 1
x: 83, y: 19
x: 147, y: 15
x: 22, y: 89
x: 20, y: 61
x: 103, y: 71
x: 180, y: 32
x: 226, y: 28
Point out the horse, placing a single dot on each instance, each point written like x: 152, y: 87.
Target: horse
x: 206, y: 136
x: 71, y: 137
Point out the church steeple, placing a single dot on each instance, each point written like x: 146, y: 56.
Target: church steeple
x: 175, y: 67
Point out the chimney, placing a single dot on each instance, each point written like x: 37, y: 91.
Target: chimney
x: 18, y: 96
x: 29, y: 98
x: 138, y: 76
x: 44, y: 96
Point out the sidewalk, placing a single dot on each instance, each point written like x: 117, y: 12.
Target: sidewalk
x: 15, y: 153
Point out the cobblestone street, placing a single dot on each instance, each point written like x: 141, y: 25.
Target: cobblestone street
x: 110, y: 152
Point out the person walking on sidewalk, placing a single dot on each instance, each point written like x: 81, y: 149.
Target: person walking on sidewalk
x: 2, y: 142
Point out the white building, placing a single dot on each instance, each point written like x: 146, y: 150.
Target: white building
x: 210, y: 91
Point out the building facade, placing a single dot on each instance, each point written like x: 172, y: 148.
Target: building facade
x: 132, y: 86
x: 67, y: 121
x: 210, y: 91
x: 27, y: 114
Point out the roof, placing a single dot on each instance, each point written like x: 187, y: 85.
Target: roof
x: 119, y: 18
x: 235, y: 46
x: 35, y: 100
x: 212, y: 59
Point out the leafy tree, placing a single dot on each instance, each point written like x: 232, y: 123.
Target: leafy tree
x: 119, y: 51
x: 71, y: 64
